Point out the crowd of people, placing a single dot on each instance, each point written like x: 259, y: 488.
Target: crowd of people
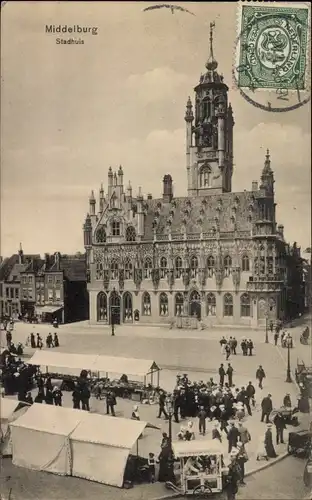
x: 37, y: 342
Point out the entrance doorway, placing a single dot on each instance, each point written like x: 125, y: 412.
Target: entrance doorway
x: 114, y: 307
x: 127, y: 307
x: 195, y: 304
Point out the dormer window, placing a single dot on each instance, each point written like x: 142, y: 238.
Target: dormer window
x: 115, y: 228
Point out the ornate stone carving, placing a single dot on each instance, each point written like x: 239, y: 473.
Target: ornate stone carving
x: 236, y: 275
x: 219, y: 274
x: 121, y: 280
x: 106, y: 279
x: 155, y: 277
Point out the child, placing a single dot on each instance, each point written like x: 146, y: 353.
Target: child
x: 215, y: 433
x: 151, y: 467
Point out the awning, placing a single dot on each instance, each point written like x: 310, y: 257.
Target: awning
x: 95, y: 363
x: 48, y: 309
x: 194, y: 448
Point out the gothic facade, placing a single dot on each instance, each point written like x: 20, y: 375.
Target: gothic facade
x: 215, y: 255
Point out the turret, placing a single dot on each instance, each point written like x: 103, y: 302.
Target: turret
x: 140, y: 214
x: 267, y: 176
x: 129, y: 191
x: 189, y: 118
x: 167, y: 189
x: 101, y: 199
x: 115, y: 180
x: 120, y: 178
x: 87, y: 232
x: 20, y: 254
x: 92, y: 203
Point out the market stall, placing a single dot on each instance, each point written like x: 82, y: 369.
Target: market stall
x: 75, y: 442
x: 49, y: 427
x: 10, y: 410
x: 101, y: 446
x: 143, y: 372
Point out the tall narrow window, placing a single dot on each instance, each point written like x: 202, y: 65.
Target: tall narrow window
x: 128, y: 270
x: 148, y: 268
x: 116, y: 228
x: 245, y: 305
x: 178, y: 304
x: 228, y: 305
x: 211, y: 304
x: 146, y: 304
x: 102, y: 307
x: 130, y: 233
x: 178, y: 267
x: 114, y: 270
x: 194, y: 266
x: 163, y: 267
x: 210, y: 266
x: 245, y: 263
x: 163, y: 305
x: 227, y: 265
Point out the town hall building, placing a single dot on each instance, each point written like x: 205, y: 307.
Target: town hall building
x: 212, y: 256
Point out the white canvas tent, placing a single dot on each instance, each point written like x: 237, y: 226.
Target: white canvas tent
x: 101, y: 446
x: 72, y: 364
x: 40, y: 438
x: 8, y: 414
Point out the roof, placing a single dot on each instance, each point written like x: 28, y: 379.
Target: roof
x: 129, y: 366
x: 93, y: 362
x: 6, y: 266
x: 8, y: 406
x: 199, y: 213
x: 74, y: 268
x: 109, y: 431
x: 16, y: 270
x: 35, y: 265
x: 11, y: 267
x: 51, y: 419
x: 188, y: 448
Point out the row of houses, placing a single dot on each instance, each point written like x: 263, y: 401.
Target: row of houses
x: 53, y: 287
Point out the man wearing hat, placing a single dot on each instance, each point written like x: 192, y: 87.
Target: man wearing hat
x: 232, y: 436
x: 267, y: 407
x: 241, y: 458
x: 233, y: 477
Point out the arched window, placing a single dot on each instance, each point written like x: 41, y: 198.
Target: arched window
x: 245, y: 263
x: 178, y: 267
x: 130, y: 233
x: 99, y: 275
x: 163, y: 305
x: 163, y: 267
x: 211, y: 304
x: 194, y: 266
x: 228, y: 305
x: 115, y: 228
x: 128, y: 270
x: 102, y: 307
x: 245, y: 305
x: 127, y: 306
x: 148, y: 268
x: 114, y: 270
x: 210, y: 266
x: 204, y: 177
x: 100, y: 235
x: 146, y: 304
x: 227, y: 265
x: 178, y: 304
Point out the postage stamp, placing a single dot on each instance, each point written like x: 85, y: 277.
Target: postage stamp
x: 273, y: 47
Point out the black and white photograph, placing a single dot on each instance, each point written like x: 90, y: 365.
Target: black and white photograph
x: 155, y: 250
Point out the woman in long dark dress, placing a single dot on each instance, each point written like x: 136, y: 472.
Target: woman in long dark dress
x: 268, y: 442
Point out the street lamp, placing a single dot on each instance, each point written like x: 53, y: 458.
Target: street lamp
x: 288, y: 376
x: 169, y: 410
x: 266, y: 329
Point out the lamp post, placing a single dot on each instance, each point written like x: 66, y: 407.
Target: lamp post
x: 288, y: 376
x: 266, y: 329
x: 113, y: 320
x: 169, y: 410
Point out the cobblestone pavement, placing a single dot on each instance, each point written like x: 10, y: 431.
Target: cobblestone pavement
x: 198, y: 350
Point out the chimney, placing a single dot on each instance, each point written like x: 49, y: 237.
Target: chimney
x: 46, y: 260
x: 57, y: 259
x: 254, y: 186
x: 280, y: 230
x: 167, y: 189
x: 149, y: 196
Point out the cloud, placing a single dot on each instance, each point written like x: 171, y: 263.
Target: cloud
x: 159, y: 84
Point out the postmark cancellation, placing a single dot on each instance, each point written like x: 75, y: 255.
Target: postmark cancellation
x: 272, y: 51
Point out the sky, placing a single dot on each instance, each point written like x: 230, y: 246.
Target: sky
x: 68, y: 112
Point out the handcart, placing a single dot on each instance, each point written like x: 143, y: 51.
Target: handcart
x: 299, y: 443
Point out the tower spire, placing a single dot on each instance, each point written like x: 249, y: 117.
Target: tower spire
x: 211, y: 64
